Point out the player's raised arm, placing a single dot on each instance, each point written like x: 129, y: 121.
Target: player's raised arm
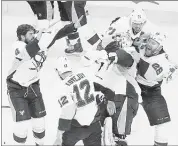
x: 34, y: 45
x: 26, y: 47
x: 66, y: 30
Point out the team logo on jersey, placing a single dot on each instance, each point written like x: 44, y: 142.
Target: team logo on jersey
x: 22, y: 112
x: 17, y: 52
x: 38, y: 60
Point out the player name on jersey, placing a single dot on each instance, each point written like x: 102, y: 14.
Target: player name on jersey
x: 75, y: 79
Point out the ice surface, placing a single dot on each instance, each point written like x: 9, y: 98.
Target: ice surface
x: 142, y: 133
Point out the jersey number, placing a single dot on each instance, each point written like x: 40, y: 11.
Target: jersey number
x: 63, y: 100
x: 88, y: 98
x: 157, y: 68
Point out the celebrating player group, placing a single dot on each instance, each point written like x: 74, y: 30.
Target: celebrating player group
x: 124, y: 69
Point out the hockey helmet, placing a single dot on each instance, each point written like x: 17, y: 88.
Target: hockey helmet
x: 157, y: 37
x: 62, y: 65
x: 138, y: 16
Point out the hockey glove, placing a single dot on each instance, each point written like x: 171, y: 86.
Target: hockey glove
x: 171, y: 73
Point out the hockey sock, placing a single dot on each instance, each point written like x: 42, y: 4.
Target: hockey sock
x: 73, y: 38
x: 38, y: 130
x: 19, y: 140
x: 39, y: 137
x: 160, y: 144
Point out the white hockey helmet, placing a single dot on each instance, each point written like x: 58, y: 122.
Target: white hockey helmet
x: 158, y: 37
x: 62, y: 65
x: 138, y: 16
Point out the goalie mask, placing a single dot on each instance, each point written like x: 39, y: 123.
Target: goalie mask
x: 63, y: 67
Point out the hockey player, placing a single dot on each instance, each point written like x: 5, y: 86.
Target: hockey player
x: 133, y: 28
x: 112, y: 34
x: 135, y: 24
x: 79, y: 119
x: 25, y: 97
x: 119, y: 75
x: 71, y: 11
x: 153, y: 67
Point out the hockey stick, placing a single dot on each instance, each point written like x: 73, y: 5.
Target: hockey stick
x: 55, y: 22
x: 51, y: 25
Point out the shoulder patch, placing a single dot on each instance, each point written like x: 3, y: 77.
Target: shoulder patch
x: 17, y: 51
x: 166, y: 56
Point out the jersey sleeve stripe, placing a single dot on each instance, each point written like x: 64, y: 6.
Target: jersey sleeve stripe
x: 32, y: 48
x: 144, y: 67
x: 64, y: 124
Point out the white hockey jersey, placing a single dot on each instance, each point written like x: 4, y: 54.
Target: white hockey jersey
x: 115, y: 76
x: 152, y: 70
x: 77, y: 99
x: 123, y: 24
x: 26, y: 65
x: 29, y: 58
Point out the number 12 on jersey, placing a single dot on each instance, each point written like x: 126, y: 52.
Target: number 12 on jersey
x: 87, y: 97
x: 63, y: 100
